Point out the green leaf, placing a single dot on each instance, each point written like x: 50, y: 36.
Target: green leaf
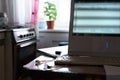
x: 50, y: 10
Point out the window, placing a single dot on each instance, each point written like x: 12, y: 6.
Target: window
x: 63, y: 13
x: 27, y: 12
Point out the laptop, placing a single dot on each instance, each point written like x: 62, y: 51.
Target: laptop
x: 94, y: 36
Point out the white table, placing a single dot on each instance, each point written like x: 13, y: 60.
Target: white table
x: 112, y: 72
x: 52, y: 50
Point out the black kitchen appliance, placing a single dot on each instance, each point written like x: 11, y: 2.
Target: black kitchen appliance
x: 20, y: 49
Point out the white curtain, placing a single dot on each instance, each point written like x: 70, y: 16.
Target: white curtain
x: 19, y: 11
x: 22, y: 11
x: 9, y: 10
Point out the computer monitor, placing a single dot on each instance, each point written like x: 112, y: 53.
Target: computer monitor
x: 94, y: 28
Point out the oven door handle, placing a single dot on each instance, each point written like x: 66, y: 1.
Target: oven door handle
x: 27, y: 44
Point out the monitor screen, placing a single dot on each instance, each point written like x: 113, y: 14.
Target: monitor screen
x: 96, y: 18
x: 94, y: 28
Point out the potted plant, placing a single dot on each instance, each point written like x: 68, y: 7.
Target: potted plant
x: 50, y: 12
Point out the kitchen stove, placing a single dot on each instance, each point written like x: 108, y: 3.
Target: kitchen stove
x: 20, y: 49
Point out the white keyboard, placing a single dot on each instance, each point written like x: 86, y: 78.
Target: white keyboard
x: 78, y: 60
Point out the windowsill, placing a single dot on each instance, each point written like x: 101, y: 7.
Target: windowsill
x: 53, y: 31
x: 2, y: 30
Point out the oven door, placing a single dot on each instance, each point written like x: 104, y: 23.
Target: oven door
x: 25, y: 52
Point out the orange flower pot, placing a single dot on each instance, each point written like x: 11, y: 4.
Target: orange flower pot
x: 50, y: 24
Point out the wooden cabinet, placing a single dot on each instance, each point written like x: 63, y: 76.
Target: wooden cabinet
x: 51, y: 38
x: 2, y: 52
x: 1, y: 62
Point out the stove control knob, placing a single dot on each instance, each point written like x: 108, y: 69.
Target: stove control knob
x: 21, y: 36
x: 27, y: 34
x: 32, y: 33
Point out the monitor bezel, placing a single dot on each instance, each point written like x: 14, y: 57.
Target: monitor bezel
x: 92, y: 44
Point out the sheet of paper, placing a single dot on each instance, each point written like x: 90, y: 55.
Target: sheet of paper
x: 112, y: 72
